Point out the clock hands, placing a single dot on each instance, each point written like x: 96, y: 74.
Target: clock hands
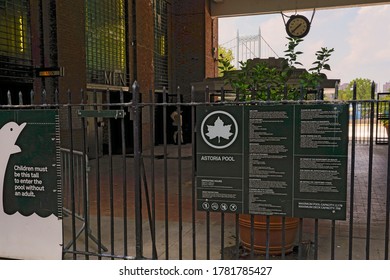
x: 295, y: 29
x: 297, y: 26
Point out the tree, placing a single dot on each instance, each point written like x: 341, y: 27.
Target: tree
x: 363, y: 90
x: 225, y: 58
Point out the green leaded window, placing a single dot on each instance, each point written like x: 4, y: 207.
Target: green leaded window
x: 106, y: 42
x: 15, y: 40
x: 161, y: 44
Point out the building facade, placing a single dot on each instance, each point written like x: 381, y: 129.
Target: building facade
x: 100, y: 45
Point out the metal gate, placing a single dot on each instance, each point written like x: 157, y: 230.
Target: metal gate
x: 142, y: 205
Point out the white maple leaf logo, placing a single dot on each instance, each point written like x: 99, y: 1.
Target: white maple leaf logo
x: 219, y: 129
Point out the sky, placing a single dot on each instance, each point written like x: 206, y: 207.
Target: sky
x: 360, y: 37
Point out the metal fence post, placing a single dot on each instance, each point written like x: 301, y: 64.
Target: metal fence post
x: 137, y: 172
x: 353, y: 155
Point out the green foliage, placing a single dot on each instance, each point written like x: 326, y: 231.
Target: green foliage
x: 363, y: 90
x: 314, y: 77
x: 225, y: 58
x: 262, y: 82
x: 291, y: 55
x: 258, y: 79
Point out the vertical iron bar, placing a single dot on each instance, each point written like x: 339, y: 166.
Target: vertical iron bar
x: 222, y: 94
x: 32, y: 97
x: 43, y: 97
x: 56, y: 95
x: 9, y: 99
x: 166, y: 200
x: 268, y: 92
x: 268, y: 237
x: 152, y: 171
x: 283, y: 238
x: 370, y: 166
x: 285, y: 89
x: 252, y: 253
x: 300, y: 233
x: 71, y: 170
x: 208, y: 235
x: 387, y: 197
x: 97, y: 178
x: 353, y: 157
x: 124, y: 177
x: 222, y: 236
x: 21, y: 98
x: 333, y: 240
x: 237, y: 236
x: 316, y: 239
x: 137, y: 172
x: 148, y: 207
x: 222, y: 213
x: 207, y: 95
x: 193, y: 197
x: 302, y: 93
x: 111, y: 178
x: 207, y: 100
x: 85, y: 180
x: 179, y: 167
x: 253, y: 94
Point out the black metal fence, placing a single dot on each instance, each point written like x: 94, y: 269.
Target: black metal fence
x: 128, y: 197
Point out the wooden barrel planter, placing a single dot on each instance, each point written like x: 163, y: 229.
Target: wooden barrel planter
x: 260, y: 233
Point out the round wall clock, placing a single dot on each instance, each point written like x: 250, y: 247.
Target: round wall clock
x: 297, y: 26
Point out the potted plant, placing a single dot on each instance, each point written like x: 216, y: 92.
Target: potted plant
x: 275, y: 79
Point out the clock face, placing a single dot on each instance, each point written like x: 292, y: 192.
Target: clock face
x: 297, y: 26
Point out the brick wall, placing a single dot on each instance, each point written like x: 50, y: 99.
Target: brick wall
x: 192, y: 38
x: 71, y: 46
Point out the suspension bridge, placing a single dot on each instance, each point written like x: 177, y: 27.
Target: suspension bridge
x: 246, y: 47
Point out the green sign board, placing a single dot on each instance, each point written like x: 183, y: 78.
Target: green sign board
x: 288, y: 160
x: 30, y: 184
x: 220, y: 159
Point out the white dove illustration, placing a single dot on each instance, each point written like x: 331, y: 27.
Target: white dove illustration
x: 21, y: 237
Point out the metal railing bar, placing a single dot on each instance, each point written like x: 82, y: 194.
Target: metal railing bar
x: 179, y: 139
x: 222, y: 236
x: 166, y: 198
x: 352, y: 177
x: 97, y: 177
x: 387, y: 223
x: 237, y: 232
x: 124, y: 178
x: 152, y: 173
x: 193, y: 173
x: 111, y: 180
x: 283, y: 255
x: 300, y: 238
x: 315, y: 239
x: 137, y: 172
x: 71, y: 175
x: 85, y: 178
x: 370, y: 171
x: 252, y: 246
x: 333, y: 240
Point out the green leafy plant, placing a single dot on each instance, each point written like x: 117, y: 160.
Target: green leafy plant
x: 314, y: 78
x: 225, y: 58
x: 263, y: 82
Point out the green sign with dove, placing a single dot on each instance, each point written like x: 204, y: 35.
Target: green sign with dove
x: 30, y: 185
